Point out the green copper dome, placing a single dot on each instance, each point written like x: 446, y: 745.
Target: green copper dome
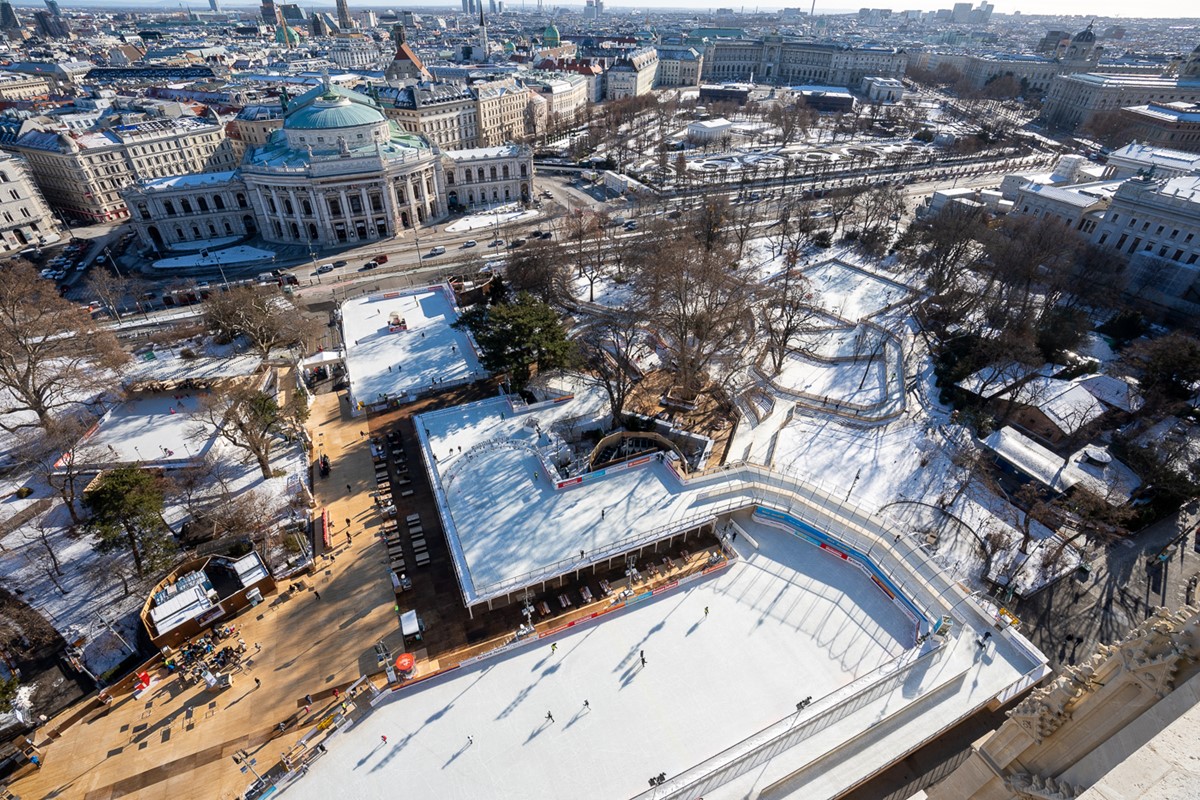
x: 330, y: 112
x: 550, y: 35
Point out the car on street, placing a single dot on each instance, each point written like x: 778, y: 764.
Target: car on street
x: 516, y: 243
x: 370, y: 265
x: 339, y: 263
x: 631, y: 225
x: 496, y: 243
x: 101, y: 259
x: 470, y: 243
x: 321, y: 270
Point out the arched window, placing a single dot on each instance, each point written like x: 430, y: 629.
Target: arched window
x: 493, y: 173
x: 524, y: 170
x: 228, y: 227
x: 480, y: 174
x: 287, y: 206
x: 185, y: 205
x: 219, y: 202
x: 506, y: 172
x: 212, y: 229
x: 295, y: 231
x: 196, y: 231
x: 143, y: 211
x: 307, y: 208
x: 170, y: 209
x: 241, y: 200
x: 179, y: 234
x: 202, y: 203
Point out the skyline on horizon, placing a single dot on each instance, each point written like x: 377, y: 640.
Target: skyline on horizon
x: 1100, y: 9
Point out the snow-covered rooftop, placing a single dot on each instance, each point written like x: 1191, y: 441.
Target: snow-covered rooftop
x: 388, y: 360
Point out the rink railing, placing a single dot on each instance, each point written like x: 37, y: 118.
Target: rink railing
x: 911, y: 568
x: 800, y: 725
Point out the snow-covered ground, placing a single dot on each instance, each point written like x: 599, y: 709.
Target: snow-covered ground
x: 605, y: 292
x: 861, y: 382
x: 498, y: 217
x: 383, y: 363
x: 786, y: 623
x: 230, y: 256
x: 852, y: 293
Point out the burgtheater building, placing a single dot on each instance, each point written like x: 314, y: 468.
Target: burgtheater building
x: 337, y: 172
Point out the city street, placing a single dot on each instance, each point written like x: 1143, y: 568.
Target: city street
x: 1127, y: 580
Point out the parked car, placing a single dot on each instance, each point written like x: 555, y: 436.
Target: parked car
x: 321, y: 270
x: 470, y: 243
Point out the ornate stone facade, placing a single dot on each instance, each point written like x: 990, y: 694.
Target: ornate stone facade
x: 338, y: 172
x: 1068, y: 734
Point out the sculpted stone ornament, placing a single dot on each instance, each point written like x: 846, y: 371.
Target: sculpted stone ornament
x: 1040, y: 787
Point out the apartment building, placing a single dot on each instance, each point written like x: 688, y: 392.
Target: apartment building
x: 632, y: 75
x: 679, y: 66
x: 25, y: 219
x: 82, y: 173
x: 784, y: 61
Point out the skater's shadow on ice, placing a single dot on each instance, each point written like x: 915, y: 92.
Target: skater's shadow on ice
x: 520, y: 698
x: 578, y: 716
x: 629, y: 674
x: 363, y: 761
x: 395, y: 751
x: 536, y: 732
x: 454, y: 757
x: 695, y: 627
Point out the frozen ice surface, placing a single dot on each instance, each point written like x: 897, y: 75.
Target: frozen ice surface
x: 488, y: 219
x: 241, y: 254
x: 786, y: 623
x: 156, y: 427
x: 430, y: 348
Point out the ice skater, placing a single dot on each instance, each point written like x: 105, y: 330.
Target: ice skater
x: 587, y: 705
x: 470, y: 740
x: 257, y: 683
x: 706, y: 611
x: 553, y: 647
x: 549, y: 717
x: 642, y: 656
x: 383, y: 739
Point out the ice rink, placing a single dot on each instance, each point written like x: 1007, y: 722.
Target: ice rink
x: 382, y: 363
x: 149, y: 427
x: 787, y: 622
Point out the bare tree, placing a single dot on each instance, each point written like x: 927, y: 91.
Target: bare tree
x: 56, y: 455
x: 787, y: 309
x: 52, y: 355
x: 607, y: 345
x: 538, y: 268
x: 252, y: 420
x: 267, y: 318
x: 699, y: 297
x: 38, y: 532
x: 111, y: 289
